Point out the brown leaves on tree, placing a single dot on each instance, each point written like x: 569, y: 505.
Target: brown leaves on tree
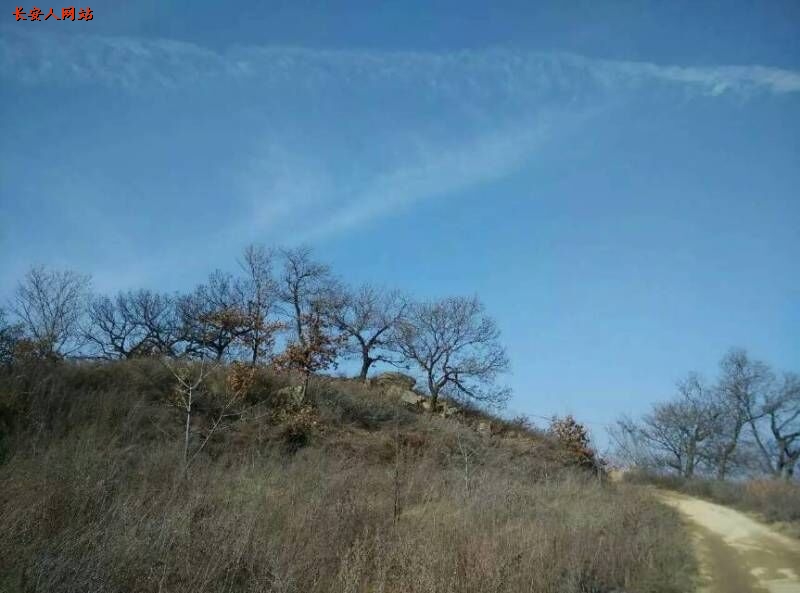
x: 230, y: 321
x: 575, y: 439
x: 316, y: 352
x: 260, y: 337
x: 240, y: 379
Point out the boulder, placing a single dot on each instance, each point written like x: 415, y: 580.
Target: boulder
x: 411, y: 398
x: 443, y: 407
x: 395, y: 379
x: 449, y: 410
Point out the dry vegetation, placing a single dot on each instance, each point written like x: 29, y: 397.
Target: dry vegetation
x: 345, y: 493
x: 775, y: 501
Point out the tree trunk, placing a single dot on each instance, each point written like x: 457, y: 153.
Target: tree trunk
x: 186, y: 433
x: 306, y: 379
x: 722, y: 468
x: 366, y: 363
x: 786, y: 463
x: 689, y: 472
x: 434, y: 400
x: 433, y: 389
x: 298, y: 320
x: 256, y: 346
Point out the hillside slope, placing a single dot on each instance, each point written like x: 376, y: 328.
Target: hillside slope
x: 348, y: 491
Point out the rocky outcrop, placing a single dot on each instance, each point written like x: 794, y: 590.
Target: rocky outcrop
x: 400, y: 387
x: 411, y: 398
x: 443, y: 408
x: 394, y: 379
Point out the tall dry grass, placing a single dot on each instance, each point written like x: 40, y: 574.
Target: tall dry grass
x: 376, y: 500
x: 775, y: 500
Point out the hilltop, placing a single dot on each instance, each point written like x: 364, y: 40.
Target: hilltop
x: 348, y: 489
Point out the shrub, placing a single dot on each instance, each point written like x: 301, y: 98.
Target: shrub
x: 574, y: 437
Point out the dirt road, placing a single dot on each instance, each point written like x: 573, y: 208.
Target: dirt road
x: 736, y: 553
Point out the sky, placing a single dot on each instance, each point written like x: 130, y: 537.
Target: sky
x: 619, y: 182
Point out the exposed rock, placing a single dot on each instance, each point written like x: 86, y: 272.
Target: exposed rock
x: 443, y: 407
x: 395, y: 379
x: 449, y: 410
x: 411, y: 398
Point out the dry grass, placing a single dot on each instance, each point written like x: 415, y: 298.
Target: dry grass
x: 377, y: 499
x: 775, y: 501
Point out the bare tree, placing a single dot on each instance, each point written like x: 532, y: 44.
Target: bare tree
x: 157, y: 315
x: 742, y: 384
x: 658, y: 437
x: 111, y: 331
x: 303, y: 285
x: 699, y: 414
x: 258, y: 293
x: 227, y: 400
x: 134, y: 323
x: 631, y: 446
x: 456, y: 346
x: 748, y: 421
x: 51, y: 304
x: 673, y: 434
x: 368, y: 317
x: 188, y: 381
x: 213, y: 316
x: 781, y: 413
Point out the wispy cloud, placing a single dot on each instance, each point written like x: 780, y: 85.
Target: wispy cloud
x: 135, y: 63
x: 436, y: 173
x: 340, y: 138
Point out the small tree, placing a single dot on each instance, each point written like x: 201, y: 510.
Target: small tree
x: 316, y: 351
x: 456, y: 346
x: 304, y: 285
x: 368, y: 317
x: 259, y: 339
x: 188, y: 381
x: 214, y: 318
x: 258, y: 292
x: 51, y: 305
x: 190, y: 377
x: 574, y: 437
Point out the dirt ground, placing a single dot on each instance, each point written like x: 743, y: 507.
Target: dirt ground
x: 736, y: 553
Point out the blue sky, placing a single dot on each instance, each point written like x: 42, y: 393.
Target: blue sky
x: 619, y: 182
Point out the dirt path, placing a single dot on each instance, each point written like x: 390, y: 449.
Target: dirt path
x: 736, y: 553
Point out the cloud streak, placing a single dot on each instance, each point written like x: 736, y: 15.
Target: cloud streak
x: 133, y: 63
x: 335, y: 139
